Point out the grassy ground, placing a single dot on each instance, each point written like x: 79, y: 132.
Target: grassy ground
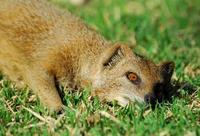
x: 162, y: 30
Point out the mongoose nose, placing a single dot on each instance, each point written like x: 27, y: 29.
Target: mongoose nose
x: 150, y: 99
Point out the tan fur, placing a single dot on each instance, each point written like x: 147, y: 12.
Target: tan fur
x: 41, y: 45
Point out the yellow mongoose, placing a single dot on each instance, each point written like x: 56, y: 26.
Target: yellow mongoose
x: 41, y: 45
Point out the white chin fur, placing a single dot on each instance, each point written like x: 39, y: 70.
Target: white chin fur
x: 124, y: 99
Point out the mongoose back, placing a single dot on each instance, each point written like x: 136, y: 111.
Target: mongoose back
x: 42, y: 45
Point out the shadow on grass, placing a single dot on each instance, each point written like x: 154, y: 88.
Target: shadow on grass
x: 176, y: 91
x: 178, y: 86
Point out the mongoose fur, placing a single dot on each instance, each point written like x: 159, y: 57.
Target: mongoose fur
x: 41, y: 45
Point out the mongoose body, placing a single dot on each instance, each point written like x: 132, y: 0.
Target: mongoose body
x: 41, y: 45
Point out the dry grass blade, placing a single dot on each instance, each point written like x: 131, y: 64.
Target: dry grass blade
x: 35, y: 125
x: 59, y: 118
x: 9, y: 107
x: 107, y: 115
x: 51, y: 122
x: 36, y: 115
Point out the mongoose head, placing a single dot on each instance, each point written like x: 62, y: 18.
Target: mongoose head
x: 124, y: 76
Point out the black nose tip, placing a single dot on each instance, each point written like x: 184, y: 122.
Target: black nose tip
x: 150, y: 99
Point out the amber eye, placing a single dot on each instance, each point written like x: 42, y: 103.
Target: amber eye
x: 133, y: 77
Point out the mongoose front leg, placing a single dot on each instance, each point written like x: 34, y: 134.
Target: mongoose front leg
x: 43, y: 85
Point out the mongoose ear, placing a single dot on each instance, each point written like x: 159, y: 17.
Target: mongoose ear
x: 167, y: 69
x: 112, y: 56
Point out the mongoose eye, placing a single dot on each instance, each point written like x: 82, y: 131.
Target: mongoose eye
x: 133, y: 77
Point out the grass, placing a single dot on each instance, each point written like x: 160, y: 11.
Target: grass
x: 161, y: 30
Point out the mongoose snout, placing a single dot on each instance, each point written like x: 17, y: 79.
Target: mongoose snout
x: 42, y: 46
x: 161, y: 90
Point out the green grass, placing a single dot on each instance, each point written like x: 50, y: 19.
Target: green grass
x: 161, y: 30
